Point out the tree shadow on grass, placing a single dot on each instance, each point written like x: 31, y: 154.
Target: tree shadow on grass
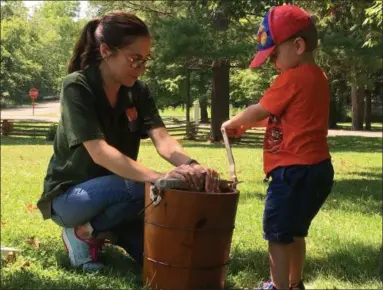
x: 119, y: 266
x: 251, y: 265
x: 350, y: 195
x: 356, y: 195
x: 26, y: 279
x: 11, y: 140
x: 336, y: 143
x: 356, y: 263
x: 355, y: 144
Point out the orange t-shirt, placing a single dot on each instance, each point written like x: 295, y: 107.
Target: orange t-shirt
x: 296, y: 133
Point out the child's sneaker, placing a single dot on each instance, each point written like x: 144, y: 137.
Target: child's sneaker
x: 300, y: 286
x: 267, y: 285
x: 82, y: 252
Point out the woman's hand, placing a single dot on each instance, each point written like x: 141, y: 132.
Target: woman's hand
x: 212, y: 180
x: 190, y: 175
x: 195, y: 177
x: 208, y: 177
x: 177, y: 173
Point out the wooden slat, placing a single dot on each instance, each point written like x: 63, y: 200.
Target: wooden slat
x: 29, y: 131
x: 28, y: 134
x: 178, y: 134
x: 30, y: 126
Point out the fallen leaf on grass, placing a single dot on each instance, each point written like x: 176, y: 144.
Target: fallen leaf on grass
x: 33, y: 241
x: 31, y: 207
x: 25, y: 264
x: 11, y: 257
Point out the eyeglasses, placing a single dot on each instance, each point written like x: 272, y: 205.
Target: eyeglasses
x: 137, y: 62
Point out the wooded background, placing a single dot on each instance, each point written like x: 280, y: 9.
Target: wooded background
x: 201, y: 51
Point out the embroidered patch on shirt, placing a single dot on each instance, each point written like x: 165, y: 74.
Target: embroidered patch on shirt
x: 131, y: 113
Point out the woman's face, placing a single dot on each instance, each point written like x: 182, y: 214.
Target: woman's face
x: 128, y: 62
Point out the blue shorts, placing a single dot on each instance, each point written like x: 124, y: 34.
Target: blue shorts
x: 294, y: 197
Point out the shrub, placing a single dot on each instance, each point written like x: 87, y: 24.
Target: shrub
x: 51, y: 134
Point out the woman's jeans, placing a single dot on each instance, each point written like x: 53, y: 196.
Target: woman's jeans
x: 109, y: 203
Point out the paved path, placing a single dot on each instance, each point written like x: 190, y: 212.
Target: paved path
x: 50, y: 111
x: 354, y: 133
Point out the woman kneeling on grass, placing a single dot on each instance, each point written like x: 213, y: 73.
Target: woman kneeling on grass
x: 94, y: 185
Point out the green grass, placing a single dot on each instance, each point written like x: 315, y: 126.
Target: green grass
x: 344, y: 245
x: 173, y: 112
x: 181, y: 112
x: 374, y: 126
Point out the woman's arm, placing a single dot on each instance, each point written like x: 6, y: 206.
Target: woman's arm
x: 168, y: 147
x: 110, y: 158
x: 171, y: 150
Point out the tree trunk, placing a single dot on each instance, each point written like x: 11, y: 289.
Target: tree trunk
x: 333, y: 118
x: 367, y: 112
x: 187, y: 97
x: 204, y: 113
x: 203, y: 98
x: 357, y: 104
x: 361, y: 94
x: 220, y: 98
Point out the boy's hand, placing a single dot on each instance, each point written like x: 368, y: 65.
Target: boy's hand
x: 232, y: 130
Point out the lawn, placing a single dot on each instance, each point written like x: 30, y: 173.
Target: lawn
x: 344, y: 246
x: 181, y: 112
x: 374, y: 126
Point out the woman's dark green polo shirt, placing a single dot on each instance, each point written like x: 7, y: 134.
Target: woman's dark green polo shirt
x: 86, y: 114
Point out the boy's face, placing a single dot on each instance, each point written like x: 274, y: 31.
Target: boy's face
x: 287, y: 54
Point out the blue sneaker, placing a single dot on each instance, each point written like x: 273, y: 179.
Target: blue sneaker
x: 267, y: 285
x: 82, y: 252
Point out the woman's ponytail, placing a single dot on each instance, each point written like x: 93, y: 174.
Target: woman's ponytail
x: 86, y: 51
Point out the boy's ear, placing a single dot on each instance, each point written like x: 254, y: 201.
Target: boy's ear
x: 300, y: 45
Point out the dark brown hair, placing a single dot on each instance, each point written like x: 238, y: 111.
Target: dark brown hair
x: 309, y: 35
x: 115, y: 29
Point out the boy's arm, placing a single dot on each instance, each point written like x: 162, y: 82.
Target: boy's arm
x: 250, y: 117
x: 260, y: 124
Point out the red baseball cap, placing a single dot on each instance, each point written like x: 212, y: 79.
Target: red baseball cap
x: 279, y: 24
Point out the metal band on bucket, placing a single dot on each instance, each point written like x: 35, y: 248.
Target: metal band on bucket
x: 188, y: 267
x: 231, y: 229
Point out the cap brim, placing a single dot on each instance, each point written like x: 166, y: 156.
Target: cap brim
x: 261, y: 57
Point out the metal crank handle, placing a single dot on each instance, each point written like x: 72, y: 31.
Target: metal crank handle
x: 232, y: 171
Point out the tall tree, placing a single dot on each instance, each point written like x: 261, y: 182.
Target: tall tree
x: 36, y: 47
x: 343, y: 51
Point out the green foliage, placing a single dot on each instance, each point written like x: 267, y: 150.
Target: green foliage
x: 374, y: 23
x: 36, y: 48
x: 245, y: 87
x: 6, y: 127
x: 190, y: 35
x: 51, y: 134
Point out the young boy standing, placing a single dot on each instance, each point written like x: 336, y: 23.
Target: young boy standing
x: 296, y: 154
